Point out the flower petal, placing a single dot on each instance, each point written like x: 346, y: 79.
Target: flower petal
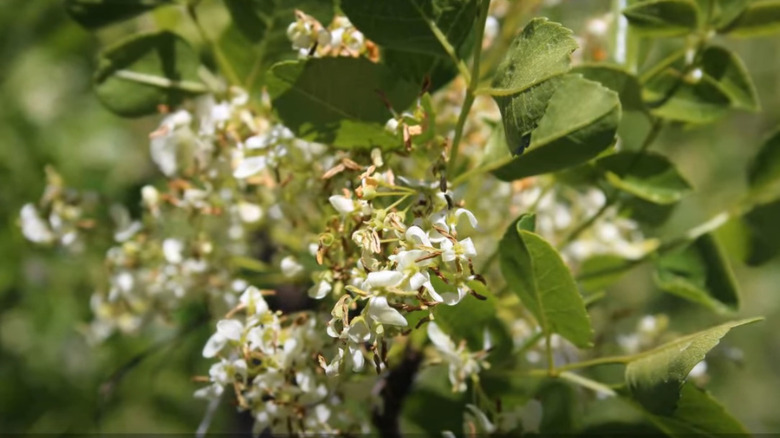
x: 230, y: 329
x: 384, y: 278
x: 380, y: 311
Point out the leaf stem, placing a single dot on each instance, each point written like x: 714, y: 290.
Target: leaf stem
x: 587, y: 383
x: 473, y: 81
x: 144, y: 78
x: 598, y: 361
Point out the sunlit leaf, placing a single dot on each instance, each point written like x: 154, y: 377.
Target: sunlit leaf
x: 93, y: 14
x: 649, y: 176
x: 763, y: 234
x: 728, y: 73
x: 759, y: 18
x: 655, y: 378
x: 698, y: 414
x: 700, y: 273
x: 551, y: 120
x: 600, y: 271
x: 256, y: 38
x: 614, y: 77
x: 534, y: 270
x: 663, y: 17
x: 339, y: 101
x: 136, y: 76
x: 763, y: 172
x: 405, y: 25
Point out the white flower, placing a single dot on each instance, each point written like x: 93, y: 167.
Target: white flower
x: 253, y: 299
x: 211, y: 392
x: 250, y: 166
x: 460, y: 250
x: 249, y: 213
x: 34, y: 228
x: 172, y: 250
x: 384, y: 278
x: 214, y: 345
x: 698, y: 371
x: 230, y: 329
x: 462, y: 364
x: 320, y: 290
x: 380, y: 311
x: 342, y: 204
x: 290, y: 267
x: 257, y: 142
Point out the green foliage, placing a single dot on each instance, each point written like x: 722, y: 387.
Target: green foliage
x: 340, y: 101
x: 697, y: 414
x: 663, y: 17
x: 727, y: 72
x: 600, y: 271
x: 380, y: 21
x: 417, y: 53
x: 137, y: 75
x: 535, y: 272
x: 257, y: 36
x: 648, y: 176
x: 758, y: 19
x: 701, y: 92
x: 534, y: 95
x: 655, y: 378
x: 763, y: 173
x: 93, y: 14
x: 554, y: 119
x: 763, y: 235
x: 722, y: 12
x: 699, y: 273
x: 625, y: 84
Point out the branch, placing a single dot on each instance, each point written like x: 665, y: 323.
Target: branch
x: 393, y: 388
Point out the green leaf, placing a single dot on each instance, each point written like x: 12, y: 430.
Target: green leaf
x: 649, y: 176
x: 405, y: 25
x: 763, y: 172
x: 614, y: 77
x: 699, y: 273
x: 257, y: 35
x: 599, y: 271
x: 723, y: 12
x: 93, y: 14
x: 560, y: 403
x: 728, y: 73
x: 562, y: 120
x: 760, y: 18
x: 656, y: 377
x: 698, y: 414
x: 674, y: 98
x: 416, y: 54
x: 339, y: 101
x: 663, y: 17
x: 579, y: 122
x: 646, y: 212
x: 479, y: 313
x: 431, y: 405
x: 140, y: 73
x: 763, y: 234
x: 534, y: 270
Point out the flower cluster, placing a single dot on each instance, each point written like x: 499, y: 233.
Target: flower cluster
x: 310, y: 38
x: 385, y: 260
x: 266, y: 359
x: 61, y: 216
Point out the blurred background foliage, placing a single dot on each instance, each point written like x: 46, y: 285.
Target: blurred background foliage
x: 52, y: 380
